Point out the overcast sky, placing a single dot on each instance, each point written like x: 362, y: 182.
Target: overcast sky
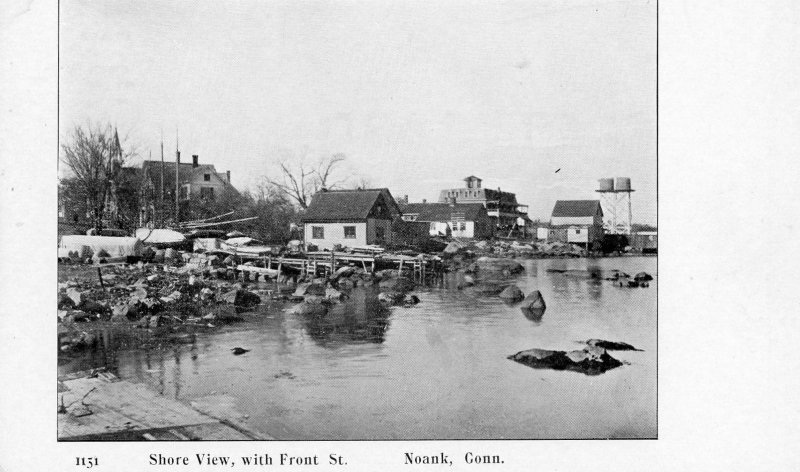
x: 417, y: 95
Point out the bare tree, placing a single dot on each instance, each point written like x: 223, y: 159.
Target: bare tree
x: 299, y: 181
x: 362, y: 182
x: 95, y: 157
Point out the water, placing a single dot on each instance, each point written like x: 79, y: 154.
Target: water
x: 437, y: 370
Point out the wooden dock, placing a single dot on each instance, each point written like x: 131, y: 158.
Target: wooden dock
x: 104, y: 408
x: 325, y: 263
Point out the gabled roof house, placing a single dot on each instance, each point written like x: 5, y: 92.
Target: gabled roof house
x: 350, y: 218
x: 465, y: 220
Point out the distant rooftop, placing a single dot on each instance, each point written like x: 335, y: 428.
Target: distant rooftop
x: 576, y: 208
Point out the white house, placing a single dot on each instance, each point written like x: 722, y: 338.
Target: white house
x: 582, y: 220
x: 462, y: 220
x: 349, y: 218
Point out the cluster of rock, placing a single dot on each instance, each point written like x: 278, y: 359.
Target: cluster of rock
x: 150, y: 296
x: 319, y: 295
x: 642, y: 279
x: 514, y: 249
x: 591, y: 360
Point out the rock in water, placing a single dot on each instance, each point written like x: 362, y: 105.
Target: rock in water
x: 241, y: 298
x: 238, y: 351
x: 642, y: 277
x: 534, y: 301
x: 512, y: 293
x: 590, y: 361
x: 390, y: 298
x: 400, y: 284
x: 494, y: 264
x: 611, y: 345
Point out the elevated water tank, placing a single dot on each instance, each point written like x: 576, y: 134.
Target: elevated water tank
x: 606, y: 185
x: 623, y: 184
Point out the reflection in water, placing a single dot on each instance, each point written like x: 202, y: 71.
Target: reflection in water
x: 360, y: 319
x: 441, y: 371
x: 533, y: 314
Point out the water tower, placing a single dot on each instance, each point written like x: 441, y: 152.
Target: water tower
x: 615, y: 198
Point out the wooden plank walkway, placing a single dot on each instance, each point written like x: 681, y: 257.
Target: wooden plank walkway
x: 105, y: 408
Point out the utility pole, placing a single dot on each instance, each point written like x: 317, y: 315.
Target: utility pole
x: 177, y: 182
x: 161, y: 193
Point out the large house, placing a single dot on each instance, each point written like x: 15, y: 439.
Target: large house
x: 195, y: 180
x: 577, y: 221
x: 350, y: 218
x: 463, y: 220
x: 501, y: 206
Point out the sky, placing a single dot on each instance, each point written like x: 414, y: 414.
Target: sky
x: 417, y: 95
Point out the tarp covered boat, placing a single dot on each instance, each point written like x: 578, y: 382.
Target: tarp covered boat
x: 113, y: 246
x: 160, y: 237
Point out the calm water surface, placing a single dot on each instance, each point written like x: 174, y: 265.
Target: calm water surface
x: 437, y: 370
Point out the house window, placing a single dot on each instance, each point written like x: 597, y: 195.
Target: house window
x: 433, y: 226
x: 380, y: 235
x: 207, y: 193
x: 317, y: 232
x: 577, y: 231
x: 184, y: 192
x: 350, y: 232
x: 207, y: 177
x: 462, y: 226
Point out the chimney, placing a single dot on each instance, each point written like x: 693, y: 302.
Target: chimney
x: 424, y: 201
x: 228, y: 173
x: 194, y: 160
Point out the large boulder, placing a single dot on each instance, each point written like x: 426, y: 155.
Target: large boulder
x: 495, y: 264
x: 391, y: 297
x: 125, y: 312
x: 91, y: 306
x: 534, y: 301
x: 345, y: 284
x: 452, y: 248
x: 158, y: 257
x: 170, y: 254
x: 642, y: 277
x: 310, y: 289
x: 343, y: 272
x: 590, y: 360
x: 65, y: 302
x: 140, y: 293
x: 75, y: 295
x: 512, y: 293
x: 334, y: 295
x: 399, y: 284
x: 241, y: 298
x: 310, y: 308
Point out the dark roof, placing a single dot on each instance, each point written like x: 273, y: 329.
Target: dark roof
x: 577, y: 208
x: 500, y: 196
x: 334, y: 205
x: 443, y: 211
x: 186, y: 172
